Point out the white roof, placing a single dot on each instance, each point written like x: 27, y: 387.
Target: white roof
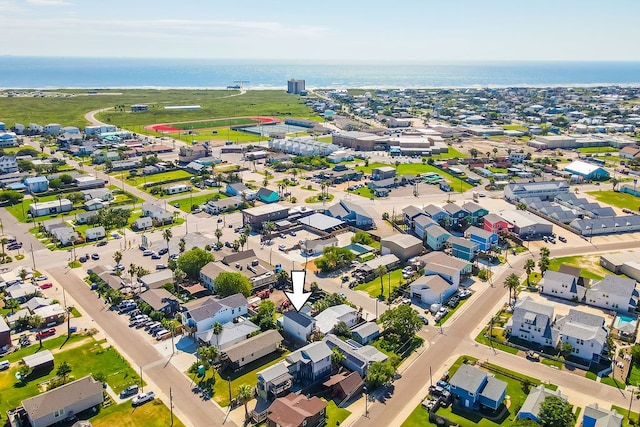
x: 581, y: 168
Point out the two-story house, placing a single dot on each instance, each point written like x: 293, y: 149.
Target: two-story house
x: 310, y: 363
x: 532, y: 321
x: 476, y: 388
x: 437, y: 237
x: 351, y: 213
x: 456, y: 214
x: 613, y: 293
x: 463, y: 248
x: 476, y: 213
x: 561, y: 285
x: 201, y: 314
x: 297, y: 410
x: 485, y: 240
x: 586, y: 333
x: 298, y: 325
x: 496, y: 224
x: 420, y: 225
x: 436, y: 213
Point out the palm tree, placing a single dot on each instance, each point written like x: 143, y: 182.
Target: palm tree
x: 133, y: 270
x: 265, y: 181
x: 614, y: 183
x: 381, y: 270
x: 245, y: 394
x: 218, y: 234
x: 512, y: 282
x: 11, y: 304
x: 23, y: 274
x: 167, y: 235
x: 3, y: 242
x: 117, y: 257
x: 529, y: 265
x: 337, y: 357
x: 217, y: 330
x: 181, y: 245
x: 178, y: 278
x: 242, y: 240
x: 236, y: 245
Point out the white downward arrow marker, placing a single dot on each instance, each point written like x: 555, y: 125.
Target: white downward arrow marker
x: 298, y: 297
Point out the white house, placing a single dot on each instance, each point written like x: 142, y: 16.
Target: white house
x: 586, y: 333
x: 65, y: 235
x: 532, y: 321
x: 316, y: 246
x: 613, y: 293
x: 176, y: 189
x: 95, y: 233
x: 561, y: 285
x: 52, y: 129
x: 143, y: 223
x: 201, y: 314
x: 432, y: 289
x: 8, y: 164
x: 310, y: 363
x: 232, y: 333
x: 298, y: 325
x: 156, y: 213
x: 329, y: 318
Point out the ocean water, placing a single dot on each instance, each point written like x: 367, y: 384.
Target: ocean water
x: 46, y: 72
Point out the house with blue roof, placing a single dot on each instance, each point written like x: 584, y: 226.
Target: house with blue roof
x: 37, y: 184
x: 595, y: 416
x: 437, y: 237
x: 476, y: 212
x: 476, y: 388
x: 463, y: 248
x: 235, y: 189
x: 298, y: 325
x: 267, y: 196
x: 483, y: 238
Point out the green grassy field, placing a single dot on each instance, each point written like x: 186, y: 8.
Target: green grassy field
x: 617, y: 199
x: 591, y: 150
x: 85, y: 356
x: 185, y: 204
x: 417, y: 168
x: 158, y: 177
x: 590, y: 265
x: 314, y: 199
x: 335, y: 415
x: 373, y: 287
x: 364, y: 192
x: 246, y: 375
x: 213, y: 123
x: 152, y: 414
x: 452, y: 153
x: 215, y: 103
x: 631, y: 421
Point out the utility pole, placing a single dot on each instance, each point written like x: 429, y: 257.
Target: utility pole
x: 141, y: 382
x: 33, y: 258
x: 171, y: 405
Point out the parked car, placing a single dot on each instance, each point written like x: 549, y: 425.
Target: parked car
x: 46, y: 285
x: 147, y: 253
x: 46, y: 333
x: 161, y: 333
x: 156, y: 256
x: 293, y: 233
x: 163, y: 251
x: 532, y: 355
x: 132, y: 390
x: 118, y: 267
x: 95, y: 257
x: 160, y: 266
x: 424, y: 319
x: 143, y: 398
x: 151, y: 325
x: 562, y: 239
x: 282, y: 248
x: 41, y: 278
x: 173, y: 257
x: 406, y: 301
x: 102, y: 243
x: 83, y: 259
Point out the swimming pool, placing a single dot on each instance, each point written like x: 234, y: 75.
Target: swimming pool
x: 622, y: 320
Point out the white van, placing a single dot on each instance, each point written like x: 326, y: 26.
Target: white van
x: 4, y: 365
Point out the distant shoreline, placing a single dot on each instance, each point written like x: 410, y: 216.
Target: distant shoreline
x: 284, y: 88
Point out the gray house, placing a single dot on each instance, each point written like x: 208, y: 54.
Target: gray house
x: 63, y: 402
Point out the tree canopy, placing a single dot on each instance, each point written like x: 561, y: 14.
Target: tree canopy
x: 334, y: 258
x: 556, y: 412
x: 192, y: 261
x: 11, y: 197
x: 229, y: 283
x: 264, y: 315
x: 379, y: 373
x: 400, y: 323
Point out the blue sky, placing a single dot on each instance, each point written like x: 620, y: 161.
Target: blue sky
x: 326, y: 30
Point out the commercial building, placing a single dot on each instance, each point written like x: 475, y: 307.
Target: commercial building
x: 257, y: 216
x: 295, y: 86
x: 545, y: 190
x: 404, y: 246
x: 50, y: 207
x: 526, y: 224
x: 587, y: 171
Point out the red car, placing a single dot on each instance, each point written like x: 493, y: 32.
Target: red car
x: 46, y: 285
x: 46, y: 333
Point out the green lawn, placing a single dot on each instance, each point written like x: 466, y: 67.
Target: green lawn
x: 451, y: 311
x: 417, y: 168
x: 515, y: 127
x: 634, y: 375
x: 372, y: 287
x: 592, y: 150
x: 85, y: 355
x: 590, y: 265
x: 213, y: 123
x: 185, y: 204
x: 153, y: 414
x: 626, y: 422
x: 418, y: 418
x: 246, y: 375
x: 483, y: 340
x: 613, y: 383
x: 75, y: 312
x: 452, y: 153
x: 314, y: 199
x: 617, y: 199
x: 20, y: 210
x: 152, y: 179
x: 591, y: 375
x: 364, y: 192
x: 335, y: 415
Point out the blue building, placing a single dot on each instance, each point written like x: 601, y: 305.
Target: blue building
x: 476, y: 212
x: 267, y: 196
x: 437, y: 237
x: 420, y: 225
x: 37, y: 184
x: 456, y: 213
x: 587, y: 171
x: 235, y: 189
x: 476, y: 388
x: 463, y: 248
x: 351, y: 213
x: 595, y: 416
x: 3, y: 127
x: 485, y: 239
x: 531, y: 407
x: 436, y: 213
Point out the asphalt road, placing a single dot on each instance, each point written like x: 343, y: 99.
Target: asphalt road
x: 156, y: 369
